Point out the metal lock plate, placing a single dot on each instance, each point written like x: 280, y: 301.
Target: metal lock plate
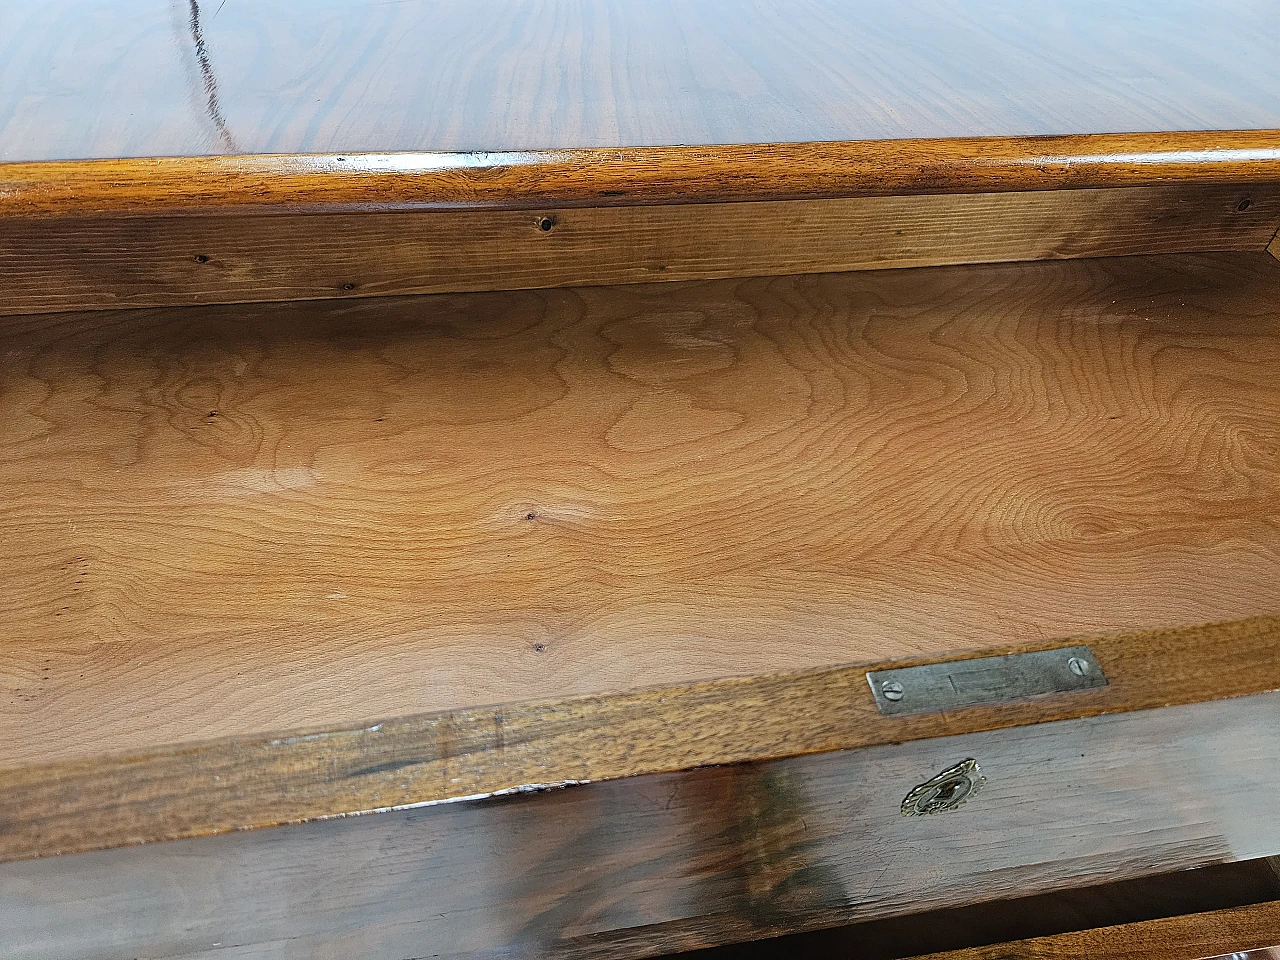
x: 963, y: 683
x: 945, y: 792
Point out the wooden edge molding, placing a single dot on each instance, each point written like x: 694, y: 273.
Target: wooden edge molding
x: 633, y: 175
x: 242, y: 783
x: 1194, y: 936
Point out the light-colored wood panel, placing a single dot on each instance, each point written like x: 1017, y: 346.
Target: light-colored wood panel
x: 636, y: 867
x: 225, y: 520
x: 94, y: 264
x: 138, y: 77
x: 1221, y: 934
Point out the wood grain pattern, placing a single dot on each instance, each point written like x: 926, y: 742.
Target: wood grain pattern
x: 531, y: 180
x: 141, y: 78
x: 641, y: 866
x: 225, y: 520
x: 1192, y: 937
x: 70, y: 264
x: 202, y: 789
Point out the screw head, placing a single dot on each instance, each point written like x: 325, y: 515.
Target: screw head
x: 1078, y: 667
x: 892, y: 690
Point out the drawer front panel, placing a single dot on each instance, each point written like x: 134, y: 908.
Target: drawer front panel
x: 647, y: 864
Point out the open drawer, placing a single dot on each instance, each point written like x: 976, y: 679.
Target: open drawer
x: 226, y: 520
x: 605, y: 478
x: 270, y: 563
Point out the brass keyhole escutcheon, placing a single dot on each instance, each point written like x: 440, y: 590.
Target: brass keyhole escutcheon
x: 945, y: 792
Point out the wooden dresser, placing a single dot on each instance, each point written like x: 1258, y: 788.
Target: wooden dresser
x: 600, y: 478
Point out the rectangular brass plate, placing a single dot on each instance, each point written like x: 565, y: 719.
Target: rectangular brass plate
x: 962, y: 683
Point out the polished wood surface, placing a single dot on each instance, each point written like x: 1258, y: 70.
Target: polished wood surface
x: 1232, y: 932
x: 623, y: 177
x: 647, y: 865
x: 225, y: 520
x: 290, y: 776
x: 1158, y: 896
x: 89, y: 264
x: 136, y: 78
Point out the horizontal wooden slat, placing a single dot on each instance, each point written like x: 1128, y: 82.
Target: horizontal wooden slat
x: 85, y: 264
x: 633, y: 175
x: 1191, y: 937
x: 234, y: 784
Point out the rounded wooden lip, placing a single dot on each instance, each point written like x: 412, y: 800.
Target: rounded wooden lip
x: 630, y: 176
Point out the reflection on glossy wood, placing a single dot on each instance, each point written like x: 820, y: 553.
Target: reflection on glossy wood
x: 487, y: 498
x: 69, y: 264
x: 1244, y: 932
x: 638, y: 866
x: 1109, y: 904
x: 133, y: 78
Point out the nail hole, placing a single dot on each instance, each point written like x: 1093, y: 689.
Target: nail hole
x: 348, y: 286
x: 530, y: 516
x: 1244, y: 205
x: 539, y: 648
x: 546, y: 223
x: 201, y: 258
